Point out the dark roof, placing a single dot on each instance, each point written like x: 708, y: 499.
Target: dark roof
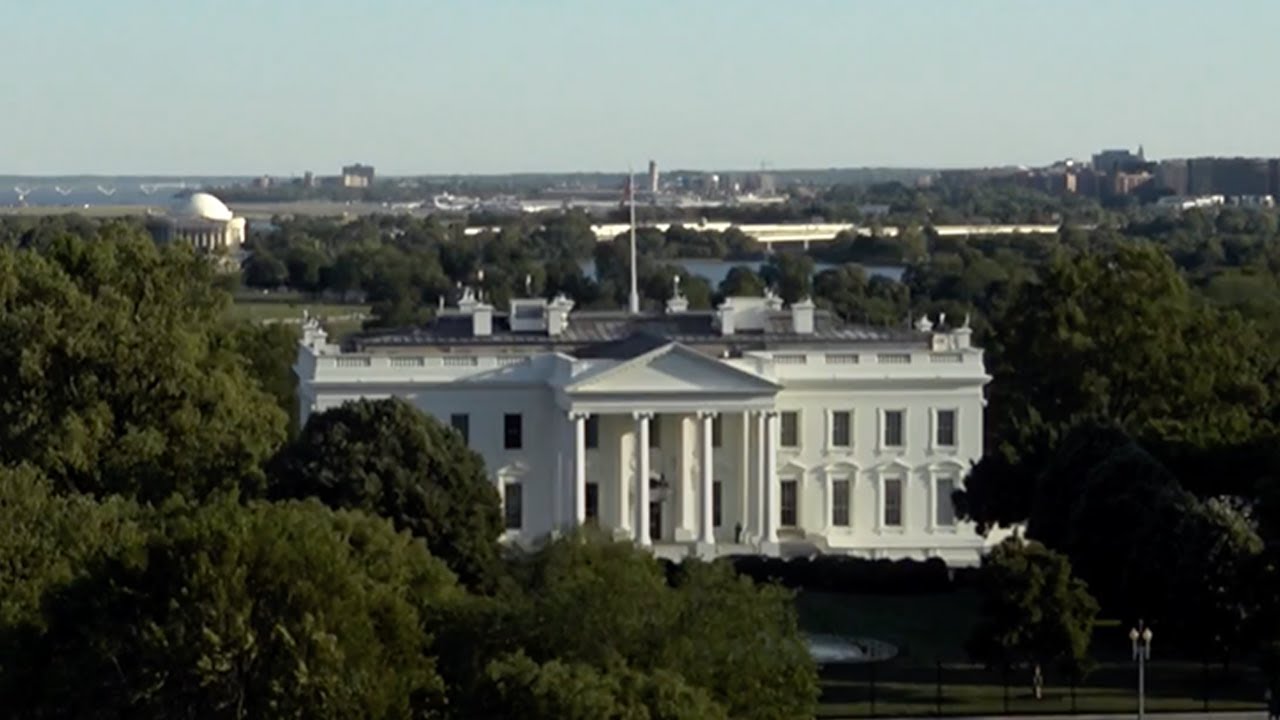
x: 619, y: 334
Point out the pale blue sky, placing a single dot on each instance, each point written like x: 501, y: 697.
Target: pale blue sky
x: 423, y: 86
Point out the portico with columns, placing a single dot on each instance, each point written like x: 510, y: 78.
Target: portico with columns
x: 680, y: 448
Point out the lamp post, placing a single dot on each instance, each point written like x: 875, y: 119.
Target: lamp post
x: 1140, y: 636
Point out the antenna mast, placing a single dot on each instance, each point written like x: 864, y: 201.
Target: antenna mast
x: 631, y: 198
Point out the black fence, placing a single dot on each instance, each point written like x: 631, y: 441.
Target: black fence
x: 901, y: 689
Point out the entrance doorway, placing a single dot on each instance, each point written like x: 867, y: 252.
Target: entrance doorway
x: 655, y: 520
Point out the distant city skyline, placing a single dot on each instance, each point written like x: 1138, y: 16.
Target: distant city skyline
x: 151, y: 87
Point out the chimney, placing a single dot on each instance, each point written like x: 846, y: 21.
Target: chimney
x: 558, y: 315
x: 802, y: 317
x: 963, y: 335
x: 724, y: 316
x: 482, y: 320
x: 481, y: 313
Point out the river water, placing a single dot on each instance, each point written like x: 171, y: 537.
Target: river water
x: 715, y: 271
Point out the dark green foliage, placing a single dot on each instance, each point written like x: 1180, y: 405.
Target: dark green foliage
x: 118, y: 377
x: 47, y: 540
x: 388, y: 459
x: 287, y: 610
x: 585, y: 602
x: 1034, y: 613
x: 556, y: 690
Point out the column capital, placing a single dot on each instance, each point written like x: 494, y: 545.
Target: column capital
x: 705, y: 414
x: 642, y: 415
x: 578, y: 415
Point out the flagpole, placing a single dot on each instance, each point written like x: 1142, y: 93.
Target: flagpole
x: 631, y: 197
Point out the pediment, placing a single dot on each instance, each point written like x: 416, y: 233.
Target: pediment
x: 674, y: 369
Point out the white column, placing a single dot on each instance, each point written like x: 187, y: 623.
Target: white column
x: 745, y: 460
x: 771, y: 477
x: 642, y: 479
x: 760, y: 506
x: 707, y: 528
x: 579, y: 469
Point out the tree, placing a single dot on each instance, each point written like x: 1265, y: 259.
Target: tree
x: 555, y: 690
x: 387, y: 458
x: 590, y: 601
x: 790, y: 274
x: 1033, y: 611
x: 1113, y: 336
x: 270, y: 351
x: 742, y: 281
x: 1117, y: 336
x: 47, y: 540
x: 267, y: 610
x: 117, y: 375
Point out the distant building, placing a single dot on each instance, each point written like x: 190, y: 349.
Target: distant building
x: 202, y: 220
x: 357, y: 176
x: 1174, y: 176
x: 262, y: 182
x: 1111, y: 161
x: 309, y: 179
x: 653, y: 176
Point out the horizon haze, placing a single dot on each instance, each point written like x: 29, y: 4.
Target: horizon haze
x: 144, y: 87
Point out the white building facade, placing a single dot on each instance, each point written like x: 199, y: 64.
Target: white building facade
x: 747, y: 429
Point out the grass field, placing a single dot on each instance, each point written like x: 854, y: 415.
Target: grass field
x: 932, y: 674
x: 338, y: 318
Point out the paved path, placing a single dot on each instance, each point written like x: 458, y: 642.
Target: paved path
x: 1217, y: 715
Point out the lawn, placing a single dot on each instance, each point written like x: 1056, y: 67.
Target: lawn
x: 338, y: 318
x: 932, y: 675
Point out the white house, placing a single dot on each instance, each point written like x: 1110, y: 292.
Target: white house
x: 747, y: 429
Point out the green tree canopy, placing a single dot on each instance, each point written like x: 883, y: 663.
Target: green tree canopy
x: 118, y: 377
x: 589, y: 601
x: 1117, y: 335
x: 47, y: 539
x: 287, y: 610
x: 555, y: 690
x: 1033, y: 612
x: 389, y: 459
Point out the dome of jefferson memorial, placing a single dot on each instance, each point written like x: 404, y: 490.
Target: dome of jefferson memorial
x: 202, y: 220
x: 201, y: 205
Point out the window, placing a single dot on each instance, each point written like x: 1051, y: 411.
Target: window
x: 717, y: 431
x: 789, y: 503
x: 592, y: 432
x: 461, y: 422
x: 945, y: 511
x: 791, y: 429
x: 946, y: 434
x: 512, y: 505
x: 842, y: 428
x: 593, y: 502
x: 893, y: 502
x: 840, y: 503
x: 893, y: 428
x: 512, y: 431
x: 655, y: 432
x: 716, y: 503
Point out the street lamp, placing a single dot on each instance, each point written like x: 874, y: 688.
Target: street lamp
x: 1141, y: 639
